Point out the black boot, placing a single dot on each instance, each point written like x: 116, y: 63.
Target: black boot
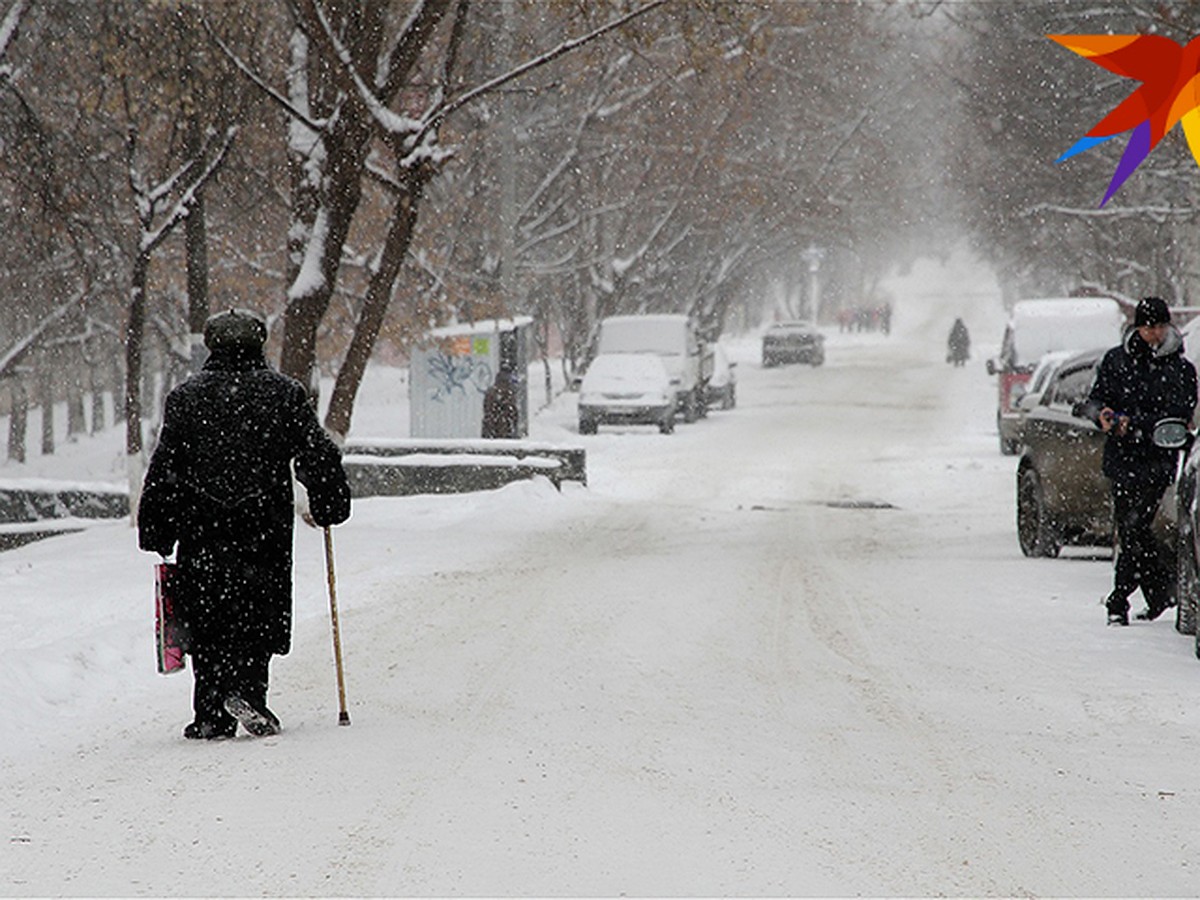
x: 1118, y: 609
x: 255, y: 718
x: 208, y: 731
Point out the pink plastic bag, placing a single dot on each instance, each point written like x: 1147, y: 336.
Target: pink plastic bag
x: 168, y: 631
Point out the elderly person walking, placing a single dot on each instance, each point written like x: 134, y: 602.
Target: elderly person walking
x: 220, y: 485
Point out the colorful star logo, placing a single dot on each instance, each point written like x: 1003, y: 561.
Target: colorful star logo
x: 1170, y: 93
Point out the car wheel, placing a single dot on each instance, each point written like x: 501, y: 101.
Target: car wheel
x: 729, y: 401
x: 1188, y: 587
x: 667, y: 425
x: 587, y: 425
x: 1035, y: 531
x: 818, y: 359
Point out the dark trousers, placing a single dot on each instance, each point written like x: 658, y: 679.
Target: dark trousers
x: 1140, y: 561
x: 224, y: 671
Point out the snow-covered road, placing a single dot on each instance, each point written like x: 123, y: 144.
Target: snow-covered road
x: 791, y: 649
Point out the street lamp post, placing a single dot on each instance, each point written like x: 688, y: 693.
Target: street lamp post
x: 813, y: 256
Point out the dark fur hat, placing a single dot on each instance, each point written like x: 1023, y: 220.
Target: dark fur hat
x: 238, y: 328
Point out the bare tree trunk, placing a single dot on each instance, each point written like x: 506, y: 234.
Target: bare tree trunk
x: 118, y: 395
x: 46, y: 401
x: 17, y: 421
x: 134, y: 330
x: 76, y: 418
x: 344, y: 151
x: 308, y: 299
x: 543, y: 341
x: 195, y: 238
x: 375, y: 305
x: 301, y: 319
x: 99, y: 419
x: 152, y: 376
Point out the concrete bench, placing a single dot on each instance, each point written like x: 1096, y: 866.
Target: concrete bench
x: 35, y: 500
x: 398, y: 466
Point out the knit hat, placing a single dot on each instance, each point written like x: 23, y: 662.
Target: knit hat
x: 1152, y: 311
x: 237, y: 328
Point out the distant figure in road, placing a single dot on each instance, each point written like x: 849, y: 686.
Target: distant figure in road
x: 501, y: 418
x: 1145, y: 379
x: 220, y: 485
x: 958, y: 344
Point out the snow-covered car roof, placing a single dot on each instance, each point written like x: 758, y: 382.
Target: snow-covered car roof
x: 1039, y: 326
x: 649, y: 317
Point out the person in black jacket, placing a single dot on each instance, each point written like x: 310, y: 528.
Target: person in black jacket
x: 501, y: 416
x: 958, y: 344
x: 1142, y: 381
x: 220, y: 485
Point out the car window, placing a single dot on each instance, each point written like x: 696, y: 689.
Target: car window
x: 1073, y: 384
x: 1040, y: 377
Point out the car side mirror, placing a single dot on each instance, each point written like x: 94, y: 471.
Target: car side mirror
x: 1171, y: 434
x: 991, y: 366
x: 733, y: 365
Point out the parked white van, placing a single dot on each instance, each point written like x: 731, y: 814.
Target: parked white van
x: 1037, y: 327
x: 673, y: 338
x: 626, y: 388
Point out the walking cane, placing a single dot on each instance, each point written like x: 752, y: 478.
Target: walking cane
x: 343, y: 715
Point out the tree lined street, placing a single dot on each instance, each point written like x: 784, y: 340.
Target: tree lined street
x: 793, y: 648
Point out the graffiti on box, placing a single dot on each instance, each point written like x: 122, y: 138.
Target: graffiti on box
x: 460, y: 363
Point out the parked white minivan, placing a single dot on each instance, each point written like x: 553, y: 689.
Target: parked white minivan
x: 674, y: 340
x: 626, y: 388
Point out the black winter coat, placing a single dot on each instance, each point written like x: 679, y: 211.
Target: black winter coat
x: 220, y: 484
x: 1147, y: 385
x: 959, y: 342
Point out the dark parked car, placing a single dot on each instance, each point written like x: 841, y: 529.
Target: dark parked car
x: 1063, y: 497
x: 1187, y: 495
x: 793, y: 342
x: 1187, y: 550
x: 1188, y: 547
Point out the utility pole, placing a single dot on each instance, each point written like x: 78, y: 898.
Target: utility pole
x: 813, y: 256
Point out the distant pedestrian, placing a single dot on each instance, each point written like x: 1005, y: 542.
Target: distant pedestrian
x: 958, y: 344
x: 220, y: 486
x: 501, y: 417
x: 1145, y: 379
